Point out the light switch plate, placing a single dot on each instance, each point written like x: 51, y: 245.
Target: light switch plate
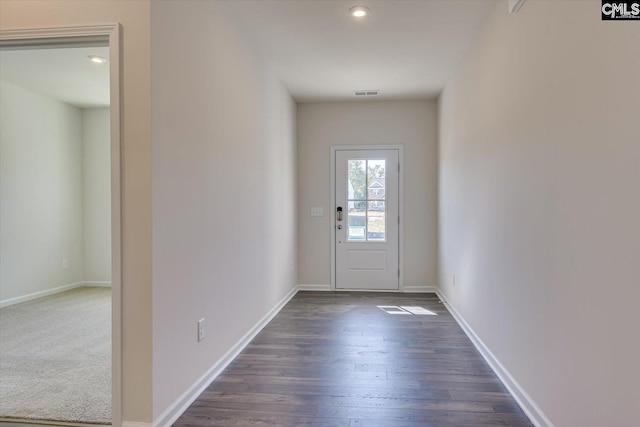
x: 317, y: 211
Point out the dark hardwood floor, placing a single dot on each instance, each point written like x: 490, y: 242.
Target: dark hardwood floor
x: 336, y: 359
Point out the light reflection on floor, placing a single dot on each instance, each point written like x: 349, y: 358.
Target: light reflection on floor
x: 407, y: 310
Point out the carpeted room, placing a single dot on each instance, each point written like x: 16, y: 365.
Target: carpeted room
x: 55, y: 295
x: 55, y: 357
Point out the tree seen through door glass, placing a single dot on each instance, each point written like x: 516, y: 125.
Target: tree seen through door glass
x: 357, y: 181
x: 366, y: 214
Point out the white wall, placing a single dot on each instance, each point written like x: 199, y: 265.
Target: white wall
x: 96, y: 195
x: 56, y: 197
x: 410, y: 123
x: 41, y: 193
x: 224, y: 202
x: 136, y: 170
x: 539, y: 205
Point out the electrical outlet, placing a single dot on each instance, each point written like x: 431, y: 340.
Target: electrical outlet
x: 200, y: 329
x: 65, y: 264
x: 454, y: 279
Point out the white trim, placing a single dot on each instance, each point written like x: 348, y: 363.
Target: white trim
x: 528, y: 405
x: 112, y: 34
x: 319, y: 288
x: 401, y: 216
x: 332, y: 215
x: 116, y: 108
x: 49, y: 33
x: 406, y: 289
x: 52, y: 291
x: 421, y: 289
x: 332, y: 233
x: 41, y: 294
x: 98, y: 284
x: 180, y: 405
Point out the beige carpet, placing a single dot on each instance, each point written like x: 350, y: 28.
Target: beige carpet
x: 55, y: 358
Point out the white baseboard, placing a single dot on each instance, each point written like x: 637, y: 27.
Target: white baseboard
x: 408, y: 289
x: 36, y: 295
x: 177, y: 408
x: 528, y: 405
x: 420, y: 289
x: 97, y: 283
x: 322, y: 288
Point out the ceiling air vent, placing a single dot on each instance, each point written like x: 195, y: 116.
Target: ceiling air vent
x: 366, y: 92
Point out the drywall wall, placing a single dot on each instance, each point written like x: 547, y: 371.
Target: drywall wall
x: 224, y: 210
x: 136, y: 170
x: 539, y: 205
x: 59, y: 155
x: 40, y: 193
x: 96, y: 195
x: 410, y: 123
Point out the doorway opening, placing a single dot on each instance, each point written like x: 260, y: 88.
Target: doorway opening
x: 60, y: 288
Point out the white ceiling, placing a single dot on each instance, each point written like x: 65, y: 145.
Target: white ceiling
x: 64, y: 74
x: 404, y: 48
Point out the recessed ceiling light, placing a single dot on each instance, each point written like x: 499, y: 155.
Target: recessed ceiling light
x: 359, y: 11
x: 97, y: 59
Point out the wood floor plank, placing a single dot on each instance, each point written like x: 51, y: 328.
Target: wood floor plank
x: 336, y: 359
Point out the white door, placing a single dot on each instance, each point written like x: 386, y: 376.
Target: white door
x: 366, y: 218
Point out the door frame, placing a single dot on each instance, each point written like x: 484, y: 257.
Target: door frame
x: 332, y: 162
x: 70, y: 36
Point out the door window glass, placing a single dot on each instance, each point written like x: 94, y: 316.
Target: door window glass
x: 366, y: 196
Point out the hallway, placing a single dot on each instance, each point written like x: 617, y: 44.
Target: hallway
x: 338, y: 359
